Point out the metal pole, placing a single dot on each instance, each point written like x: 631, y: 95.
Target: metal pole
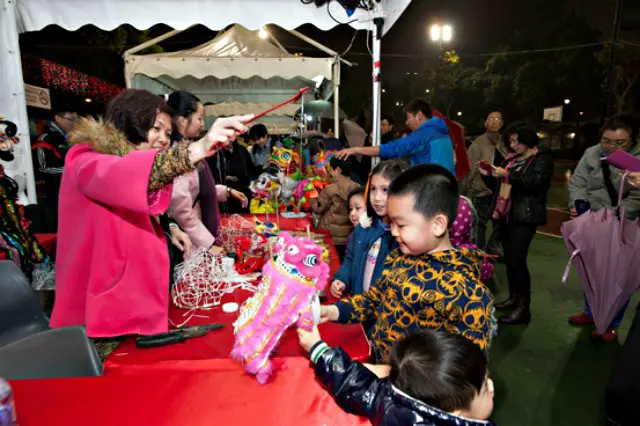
x: 612, y: 60
x: 377, y: 86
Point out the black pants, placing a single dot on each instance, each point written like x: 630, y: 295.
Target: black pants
x: 516, y: 240
x: 483, y: 207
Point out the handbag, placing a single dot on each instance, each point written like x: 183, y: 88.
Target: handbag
x: 503, y: 201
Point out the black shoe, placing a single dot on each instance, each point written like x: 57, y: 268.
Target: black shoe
x: 520, y: 315
x: 509, y: 303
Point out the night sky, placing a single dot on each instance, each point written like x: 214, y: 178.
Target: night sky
x: 480, y: 28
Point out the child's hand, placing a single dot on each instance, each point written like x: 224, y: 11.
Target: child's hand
x: 329, y: 313
x: 337, y: 288
x: 308, y: 338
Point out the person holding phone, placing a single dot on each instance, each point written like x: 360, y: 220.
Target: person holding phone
x: 486, y: 151
x: 595, y: 185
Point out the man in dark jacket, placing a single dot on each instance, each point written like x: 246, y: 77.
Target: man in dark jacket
x: 50, y: 151
x: 233, y: 166
x: 435, y: 379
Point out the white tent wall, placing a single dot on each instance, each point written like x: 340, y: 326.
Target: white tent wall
x: 12, y: 101
x: 236, y: 67
x: 33, y: 15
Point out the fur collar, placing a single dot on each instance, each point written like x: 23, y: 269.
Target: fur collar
x: 101, y: 136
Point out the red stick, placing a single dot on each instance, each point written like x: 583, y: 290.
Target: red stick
x: 280, y: 105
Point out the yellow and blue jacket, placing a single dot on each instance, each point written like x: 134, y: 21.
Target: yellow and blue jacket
x: 439, y: 291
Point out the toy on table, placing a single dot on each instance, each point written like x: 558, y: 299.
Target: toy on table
x: 287, y: 161
x: 287, y: 295
x: 266, y: 192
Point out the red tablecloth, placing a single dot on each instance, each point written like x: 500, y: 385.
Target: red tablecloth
x: 167, y: 399
x: 207, y: 352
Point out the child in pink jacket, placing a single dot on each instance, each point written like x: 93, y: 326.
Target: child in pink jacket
x: 195, y: 197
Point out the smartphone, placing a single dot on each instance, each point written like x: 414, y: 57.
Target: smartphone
x: 582, y: 206
x: 484, y: 165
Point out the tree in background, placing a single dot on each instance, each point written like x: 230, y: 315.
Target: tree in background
x: 626, y: 75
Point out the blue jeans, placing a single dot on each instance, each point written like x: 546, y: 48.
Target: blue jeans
x: 617, y: 320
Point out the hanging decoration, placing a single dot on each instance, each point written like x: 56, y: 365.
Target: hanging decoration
x: 56, y: 76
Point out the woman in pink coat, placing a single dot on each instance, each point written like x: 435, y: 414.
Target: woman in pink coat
x: 194, y: 202
x: 112, y: 270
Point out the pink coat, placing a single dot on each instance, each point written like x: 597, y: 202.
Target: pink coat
x: 112, y: 266
x: 187, y: 214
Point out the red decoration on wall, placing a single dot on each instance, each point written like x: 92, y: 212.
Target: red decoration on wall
x: 53, y: 75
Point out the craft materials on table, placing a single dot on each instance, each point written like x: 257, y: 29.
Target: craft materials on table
x: 202, y: 280
x: 287, y: 295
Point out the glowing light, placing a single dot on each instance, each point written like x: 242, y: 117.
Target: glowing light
x: 263, y: 33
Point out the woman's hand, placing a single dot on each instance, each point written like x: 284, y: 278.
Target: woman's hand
x: 221, y: 134
x: 499, y: 172
x: 634, y: 179
x: 337, y: 288
x: 181, y: 240
x: 308, y: 338
x: 346, y: 153
x: 244, y: 201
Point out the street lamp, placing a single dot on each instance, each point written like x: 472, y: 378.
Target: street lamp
x: 428, y: 91
x: 442, y: 33
x: 459, y: 113
x: 567, y: 101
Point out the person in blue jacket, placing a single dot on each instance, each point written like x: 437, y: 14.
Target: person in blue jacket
x: 371, y: 241
x: 428, y: 142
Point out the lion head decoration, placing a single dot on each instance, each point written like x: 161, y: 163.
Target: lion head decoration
x: 286, y: 296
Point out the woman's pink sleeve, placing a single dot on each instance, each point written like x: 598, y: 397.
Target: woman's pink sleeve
x: 121, y: 182
x: 221, y: 193
x: 183, y: 212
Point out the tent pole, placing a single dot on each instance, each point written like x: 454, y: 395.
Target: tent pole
x: 377, y: 94
x: 336, y: 97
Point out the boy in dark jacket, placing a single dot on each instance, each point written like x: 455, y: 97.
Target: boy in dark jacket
x: 426, y: 282
x: 435, y: 379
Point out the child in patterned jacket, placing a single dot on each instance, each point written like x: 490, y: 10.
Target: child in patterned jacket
x: 427, y: 283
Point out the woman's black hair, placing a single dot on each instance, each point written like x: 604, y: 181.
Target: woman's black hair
x: 527, y: 134
x: 389, y: 170
x: 184, y: 103
x: 443, y: 370
x: 133, y: 112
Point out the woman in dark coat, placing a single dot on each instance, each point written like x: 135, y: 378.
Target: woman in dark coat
x: 520, y: 206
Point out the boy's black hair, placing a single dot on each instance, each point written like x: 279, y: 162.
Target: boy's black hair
x: 346, y: 166
x: 527, y: 134
x: 443, y: 370
x: 433, y: 187
x: 356, y: 191
x: 418, y: 105
x: 258, y: 131
x: 389, y: 170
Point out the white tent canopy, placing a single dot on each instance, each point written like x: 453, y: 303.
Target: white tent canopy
x: 32, y: 15
x: 235, y: 69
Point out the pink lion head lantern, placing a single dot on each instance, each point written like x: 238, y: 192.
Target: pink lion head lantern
x: 287, y: 295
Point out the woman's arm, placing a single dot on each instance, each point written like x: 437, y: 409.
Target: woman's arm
x: 171, y: 163
x: 182, y: 210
